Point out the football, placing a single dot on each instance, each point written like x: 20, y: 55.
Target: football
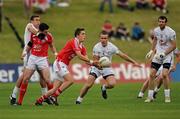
x: 105, y: 62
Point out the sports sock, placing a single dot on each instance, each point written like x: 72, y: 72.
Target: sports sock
x: 167, y: 92
x: 15, y: 92
x: 22, y: 92
x: 57, y: 93
x: 42, y: 98
x: 50, y: 86
x: 141, y: 94
x: 104, y: 87
x: 79, y: 99
x: 43, y: 90
x: 150, y: 94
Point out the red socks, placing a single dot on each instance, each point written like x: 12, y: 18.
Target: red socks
x: 50, y: 86
x: 57, y: 93
x: 42, y: 98
x: 22, y: 92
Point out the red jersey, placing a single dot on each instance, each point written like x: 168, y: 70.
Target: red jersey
x: 159, y: 2
x: 68, y: 52
x: 40, y: 47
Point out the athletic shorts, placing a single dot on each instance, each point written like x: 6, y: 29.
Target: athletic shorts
x: 104, y: 72
x: 60, y: 70
x: 39, y: 63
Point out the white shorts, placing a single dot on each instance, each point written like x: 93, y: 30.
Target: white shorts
x: 60, y: 70
x: 168, y: 59
x: 104, y: 72
x: 39, y: 63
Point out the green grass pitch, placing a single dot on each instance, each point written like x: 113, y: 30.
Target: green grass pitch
x: 121, y: 104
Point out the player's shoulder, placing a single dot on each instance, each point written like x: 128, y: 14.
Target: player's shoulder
x: 111, y: 44
x: 169, y: 29
x: 29, y: 25
x: 156, y: 29
x: 97, y: 45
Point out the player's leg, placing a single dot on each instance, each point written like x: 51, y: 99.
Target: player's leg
x: 56, y: 85
x: 16, y: 89
x: 89, y: 83
x: 159, y: 82
x: 42, y: 83
x: 27, y: 75
x: 143, y: 89
x: 111, y: 81
x: 13, y: 96
x: 166, y: 81
x: 153, y: 71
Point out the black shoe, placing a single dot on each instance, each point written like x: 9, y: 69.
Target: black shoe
x: 48, y: 101
x: 139, y: 97
x: 78, y: 102
x: 54, y: 100
x: 104, y: 94
x: 38, y: 104
x: 12, y: 100
x: 154, y: 95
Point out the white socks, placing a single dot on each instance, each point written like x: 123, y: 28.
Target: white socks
x: 15, y: 92
x: 43, y: 90
x: 79, y: 99
x: 104, y: 87
x: 141, y: 94
x: 150, y: 94
x: 167, y: 92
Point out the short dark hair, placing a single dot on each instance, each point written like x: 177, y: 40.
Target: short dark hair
x: 163, y: 18
x: 104, y: 33
x: 33, y: 16
x: 78, y: 31
x: 43, y: 26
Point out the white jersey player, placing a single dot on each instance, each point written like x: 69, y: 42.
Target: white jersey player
x: 31, y: 28
x: 164, y: 43
x: 103, y: 48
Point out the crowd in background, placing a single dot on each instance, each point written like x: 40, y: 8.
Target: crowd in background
x: 158, y: 5
x: 122, y: 32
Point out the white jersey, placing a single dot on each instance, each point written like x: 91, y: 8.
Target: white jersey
x: 163, y: 38
x: 27, y: 33
x: 107, y: 51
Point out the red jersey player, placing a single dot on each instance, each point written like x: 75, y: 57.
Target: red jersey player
x: 73, y: 48
x: 38, y: 58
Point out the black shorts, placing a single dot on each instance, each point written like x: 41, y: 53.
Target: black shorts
x: 157, y: 66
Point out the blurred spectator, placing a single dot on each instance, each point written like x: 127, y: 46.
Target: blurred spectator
x: 101, y: 8
x: 41, y: 6
x: 63, y: 3
x: 124, y: 4
x: 142, y: 4
x: 122, y: 32
x: 137, y: 32
x: 160, y: 5
x: 52, y: 2
x: 107, y: 27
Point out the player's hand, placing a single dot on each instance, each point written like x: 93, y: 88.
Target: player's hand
x: 160, y: 56
x: 173, y: 68
x: 23, y: 55
x: 55, y: 54
x: 149, y: 54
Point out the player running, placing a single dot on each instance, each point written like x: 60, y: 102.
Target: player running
x: 101, y: 49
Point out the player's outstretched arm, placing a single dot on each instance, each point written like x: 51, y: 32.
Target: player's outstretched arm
x: 127, y: 58
x: 53, y: 49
